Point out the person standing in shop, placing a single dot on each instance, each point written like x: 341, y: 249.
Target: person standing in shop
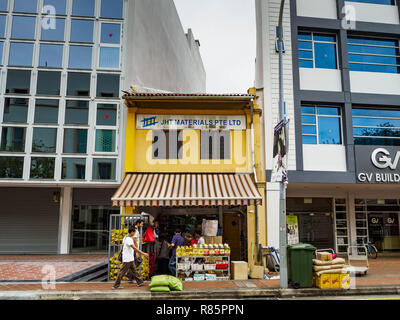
x: 177, y: 241
x: 128, y: 260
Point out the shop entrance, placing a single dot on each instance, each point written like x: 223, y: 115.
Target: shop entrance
x: 233, y: 227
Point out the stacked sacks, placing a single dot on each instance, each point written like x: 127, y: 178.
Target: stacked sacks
x: 165, y: 283
x: 330, y: 273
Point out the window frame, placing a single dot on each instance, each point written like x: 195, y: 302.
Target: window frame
x: 109, y: 45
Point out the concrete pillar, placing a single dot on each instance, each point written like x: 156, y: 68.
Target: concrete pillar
x: 272, y: 213
x: 64, y: 230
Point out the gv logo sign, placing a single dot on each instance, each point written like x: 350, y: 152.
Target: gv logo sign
x: 381, y: 159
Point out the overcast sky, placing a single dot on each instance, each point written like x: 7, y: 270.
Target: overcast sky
x: 226, y: 31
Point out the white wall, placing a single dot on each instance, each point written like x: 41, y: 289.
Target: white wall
x: 323, y: 157
x: 320, y: 79
x: 317, y: 8
x: 374, y: 12
x: 272, y: 207
x: 374, y: 82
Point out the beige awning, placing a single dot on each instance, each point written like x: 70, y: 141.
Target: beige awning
x: 186, y: 189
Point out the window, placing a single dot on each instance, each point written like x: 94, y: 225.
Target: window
x: 109, y: 58
x: 83, y: 8
x: 3, y: 19
x: 374, y: 55
x: 11, y: 167
x: 106, y: 115
x: 51, y: 55
x: 73, y: 168
x: 48, y: 82
x: 15, y: 110
x: 387, y: 2
x: 104, y: 169
x: 76, y: 112
x: 23, y: 27
x: 215, y: 144
x: 44, y: 140
x: 59, y: 5
x: 75, y: 140
x: 54, y: 34
x: 110, y: 46
x: 105, y: 140
x: 110, y: 33
x: 18, y: 81
x: 25, y: 6
x: 13, y: 139
x: 376, y: 126
x: 21, y: 54
x: 81, y: 30
x: 111, y: 9
x: 167, y: 144
x: 317, y: 50
x: 80, y: 57
x: 46, y: 111
x: 3, y: 5
x: 42, y: 168
x: 321, y: 125
x: 78, y: 84
x: 108, y: 85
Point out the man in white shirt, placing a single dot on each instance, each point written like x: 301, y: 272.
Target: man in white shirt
x: 128, y: 259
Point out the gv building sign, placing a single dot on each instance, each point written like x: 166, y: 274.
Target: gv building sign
x: 377, y: 164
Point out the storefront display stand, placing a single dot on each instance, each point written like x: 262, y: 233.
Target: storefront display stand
x: 192, y: 259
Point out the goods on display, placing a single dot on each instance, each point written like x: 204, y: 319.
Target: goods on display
x: 160, y: 289
x: 163, y: 282
x: 330, y: 273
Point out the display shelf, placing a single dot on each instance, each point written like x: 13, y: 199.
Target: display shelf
x: 192, y: 260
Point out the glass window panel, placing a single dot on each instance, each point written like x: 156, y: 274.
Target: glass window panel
x: 306, y: 64
x: 329, y: 130
x: 11, y: 167
x: 25, y: 6
x: 305, y: 54
x: 73, y: 168
x: 376, y: 122
x: 382, y: 113
x: 328, y: 111
x: 3, y: 5
x: 83, y: 8
x: 51, y: 55
x: 3, y: 19
x: 305, y: 45
x: 80, y: 57
x: 325, y: 55
x: 309, y: 140
x: 75, y: 140
x: 21, y: 54
x: 44, y: 140
x: 23, y: 27
x: 105, y: 140
x: 308, y: 119
x: 76, y: 112
x: 42, y: 168
x: 377, y: 141
x: 307, y: 110
x: 309, y: 130
x: 324, y: 37
x: 106, y: 115
x: 108, y: 85
x: 15, y: 110
x: 46, y: 111
x: 110, y: 33
x: 82, y: 30
x: 373, y: 41
x: 376, y: 132
x: 111, y: 8
x: 1, y: 52
x: 59, y: 5
x: 109, y: 58
x: 374, y: 59
x: 104, y: 169
x: 54, y: 34
x: 48, y: 82
x: 13, y: 139
x: 387, y: 2
x: 373, y: 50
x: 18, y: 81
x: 373, y: 68
x: 304, y: 36
x: 78, y: 84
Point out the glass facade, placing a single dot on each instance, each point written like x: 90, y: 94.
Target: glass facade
x: 387, y: 2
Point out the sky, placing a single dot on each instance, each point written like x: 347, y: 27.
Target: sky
x: 227, y: 33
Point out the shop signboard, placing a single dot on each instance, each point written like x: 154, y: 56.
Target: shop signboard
x: 292, y: 229
x: 377, y: 164
x: 194, y: 122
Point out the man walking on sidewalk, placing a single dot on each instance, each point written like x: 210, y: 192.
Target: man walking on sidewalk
x: 128, y: 260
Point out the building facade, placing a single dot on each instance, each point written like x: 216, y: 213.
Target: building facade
x: 342, y: 93
x: 64, y: 64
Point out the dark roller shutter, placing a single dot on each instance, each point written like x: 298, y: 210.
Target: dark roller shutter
x: 29, y: 220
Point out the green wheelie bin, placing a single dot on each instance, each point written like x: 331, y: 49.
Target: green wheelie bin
x: 300, y: 265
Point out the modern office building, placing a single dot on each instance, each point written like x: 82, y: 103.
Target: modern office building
x: 342, y: 92
x: 64, y: 64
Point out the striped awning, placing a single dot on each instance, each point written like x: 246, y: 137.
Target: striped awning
x: 186, y: 189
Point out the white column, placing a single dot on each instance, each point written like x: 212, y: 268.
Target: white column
x: 352, y: 219
x: 272, y: 209
x: 64, y: 230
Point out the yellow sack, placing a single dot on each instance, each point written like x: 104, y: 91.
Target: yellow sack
x: 334, y: 266
x: 329, y: 263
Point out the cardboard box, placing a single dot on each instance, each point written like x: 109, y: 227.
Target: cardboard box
x: 213, y: 240
x: 345, y: 281
x: 239, y: 270
x: 335, y: 281
x: 324, y: 281
x: 324, y: 256
x: 257, y: 272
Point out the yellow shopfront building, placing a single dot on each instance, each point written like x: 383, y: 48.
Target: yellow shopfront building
x: 190, y: 157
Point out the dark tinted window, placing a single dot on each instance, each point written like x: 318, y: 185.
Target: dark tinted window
x: 83, y: 8
x: 51, y: 55
x: 18, y: 81
x: 59, y: 5
x: 104, y: 169
x: 73, y: 168
x: 25, y: 6
x: 75, y: 140
x: 11, y: 167
x: 46, y: 111
x: 76, y: 112
x: 81, y: 30
x: 23, y: 27
x: 48, y: 82
x: 13, y: 139
x: 21, y: 54
x: 42, y: 168
x: 80, y: 57
x: 54, y: 34
x: 78, y: 84
x: 108, y: 85
x: 215, y: 144
x: 105, y: 140
x: 15, y: 110
x: 106, y: 115
x: 111, y: 8
x: 3, y: 19
x: 167, y: 144
x: 44, y: 140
